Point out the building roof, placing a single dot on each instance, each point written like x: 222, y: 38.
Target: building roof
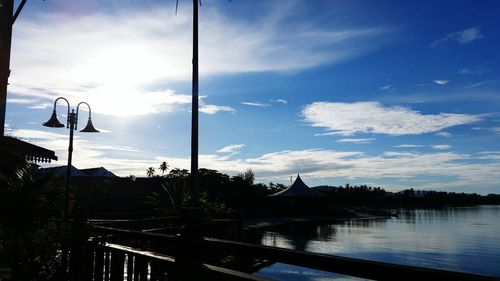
x: 298, y: 188
x: 60, y: 171
x: 30, y: 151
x: 98, y: 172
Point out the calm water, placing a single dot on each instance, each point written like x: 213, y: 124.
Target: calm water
x: 460, y: 239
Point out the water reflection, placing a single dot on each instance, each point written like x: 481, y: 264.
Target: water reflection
x: 462, y: 239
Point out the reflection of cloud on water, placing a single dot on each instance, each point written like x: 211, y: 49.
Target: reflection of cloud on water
x: 462, y: 239
x: 280, y: 271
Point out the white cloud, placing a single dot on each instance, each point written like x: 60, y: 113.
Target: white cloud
x: 372, y: 117
x: 386, y: 87
x: 441, y: 82
x: 444, y: 134
x: 464, y: 70
x: 408, y: 146
x: 44, y: 105
x: 212, y: 109
x: 475, y: 70
x: 122, y: 63
x: 351, y: 165
x: 282, y: 101
x: 20, y: 101
x: 441, y: 146
x: 40, y: 135
x: 231, y: 148
x: 462, y: 37
x: 481, y: 84
x: 359, y: 141
x: 456, y: 169
x: 489, y: 155
x: 258, y: 104
x: 468, y: 35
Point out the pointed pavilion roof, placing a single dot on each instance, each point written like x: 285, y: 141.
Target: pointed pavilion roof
x: 298, y: 188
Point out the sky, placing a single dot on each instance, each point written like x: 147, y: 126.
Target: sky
x: 395, y: 94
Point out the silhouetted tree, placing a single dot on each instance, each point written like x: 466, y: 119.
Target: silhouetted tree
x: 163, y: 167
x: 248, y: 176
x: 150, y: 172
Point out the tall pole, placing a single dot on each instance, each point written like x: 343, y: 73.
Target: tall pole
x: 71, y: 120
x: 6, y: 12
x: 194, y: 117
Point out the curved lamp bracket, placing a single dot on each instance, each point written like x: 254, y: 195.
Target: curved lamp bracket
x: 89, y: 128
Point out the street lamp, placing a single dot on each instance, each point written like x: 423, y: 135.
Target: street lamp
x: 71, y: 123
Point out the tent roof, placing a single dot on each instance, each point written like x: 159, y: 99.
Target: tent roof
x: 298, y: 188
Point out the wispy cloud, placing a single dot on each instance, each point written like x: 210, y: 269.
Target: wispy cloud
x: 475, y: 70
x: 231, y: 148
x: 282, y: 101
x: 486, y: 83
x: 213, y: 109
x: 489, y: 155
x: 408, y: 146
x: 385, y: 88
x: 351, y: 165
x: 38, y: 135
x: 441, y: 146
x: 20, y: 101
x: 462, y: 37
x: 444, y: 134
x: 129, y: 58
x: 372, y: 117
x: 357, y: 141
x: 280, y: 165
x: 441, y: 82
x: 258, y: 104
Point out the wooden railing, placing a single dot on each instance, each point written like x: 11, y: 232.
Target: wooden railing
x: 119, y: 254
x: 117, y: 263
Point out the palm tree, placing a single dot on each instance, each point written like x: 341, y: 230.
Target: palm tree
x: 150, y: 172
x: 163, y: 167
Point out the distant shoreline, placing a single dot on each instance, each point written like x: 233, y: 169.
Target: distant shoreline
x: 258, y: 223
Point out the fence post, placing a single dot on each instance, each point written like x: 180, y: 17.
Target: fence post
x: 188, y: 256
x: 117, y: 266
x: 99, y: 263
x: 78, y: 239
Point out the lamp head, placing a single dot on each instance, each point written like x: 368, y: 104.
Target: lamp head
x: 53, y: 122
x: 89, y: 128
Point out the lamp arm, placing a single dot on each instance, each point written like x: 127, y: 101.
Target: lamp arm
x: 67, y: 102
x: 77, y: 107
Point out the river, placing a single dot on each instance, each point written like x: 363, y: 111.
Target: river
x: 460, y: 239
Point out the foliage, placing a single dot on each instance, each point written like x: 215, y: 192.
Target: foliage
x: 367, y: 195
x: 175, y: 193
x: 29, y: 240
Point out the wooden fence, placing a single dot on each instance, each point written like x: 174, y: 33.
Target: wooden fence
x: 114, y: 254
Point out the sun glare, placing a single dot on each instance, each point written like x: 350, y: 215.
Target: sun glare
x: 117, y: 77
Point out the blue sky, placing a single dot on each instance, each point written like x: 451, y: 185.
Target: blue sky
x: 394, y: 94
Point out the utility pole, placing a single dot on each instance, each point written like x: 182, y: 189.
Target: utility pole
x: 6, y: 21
x: 194, y: 110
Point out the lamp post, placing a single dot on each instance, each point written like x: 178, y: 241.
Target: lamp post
x: 71, y: 123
